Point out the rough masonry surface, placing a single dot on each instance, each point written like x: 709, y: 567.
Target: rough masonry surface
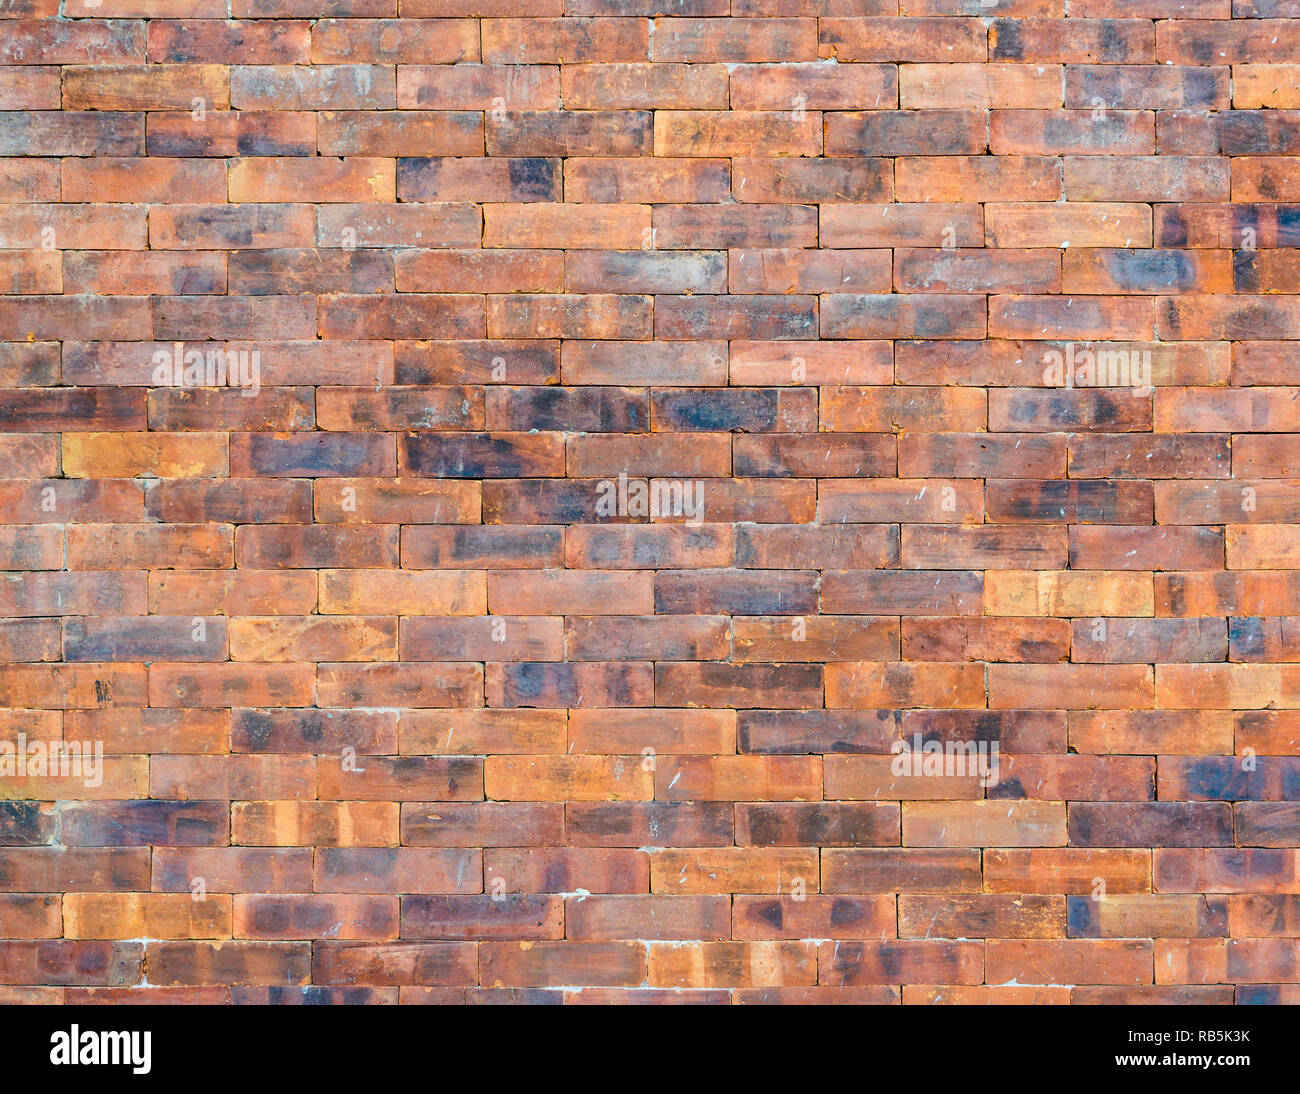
x: 727, y: 501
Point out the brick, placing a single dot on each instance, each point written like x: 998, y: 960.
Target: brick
x: 134, y: 732
x: 733, y: 964
x: 151, y: 87
x: 942, y: 547
x: 1147, y: 87
x: 1170, y: 732
x: 682, y: 639
x: 230, y: 132
x: 730, y: 870
x: 914, y: 224
x: 982, y: 178
x: 641, y: 824
x: 231, y: 777
x: 218, y: 41
x: 74, y: 133
x: 1236, y: 591
x: 398, y: 133
x: 746, y: 225
x: 575, y: 40
x: 143, y: 180
x: 310, y: 547
x: 71, y: 962
x: 1099, y: 224
x: 985, y: 640
x: 735, y: 133
x: 903, y: 316
x: 622, y: 181
x: 1083, y: 319
x: 179, y: 685
x: 1100, y: 686
x: 730, y: 777
x: 556, y: 133
x: 1105, y: 778
x: 886, y: 870
x: 322, y: 824
x: 974, y: 271
x: 820, y: 87
x: 241, y: 317
x: 921, y: 592
x: 182, y: 227
x: 876, y: 778
x: 1228, y: 870
x: 845, y: 501
x: 810, y: 180
x: 1073, y: 961
x: 396, y: 963
x: 875, y: 684
x: 31, y: 179
x: 1072, y: 870
x: 322, y: 87
x: 749, y: 410
x: 929, y: 86
x: 1168, y: 178
x: 643, y: 547
x: 93, y: 42
x: 1265, y: 85
x: 632, y: 85
x: 915, y: 39
x: 990, y: 916
x: 400, y: 41
x: 472, y: 918
x: 107, y: 272
x: 734, y: 40
x: 149, y: 638
x: 884, y: 962
x: 419, y: 684
x: 34, y: 317
x: 495, y: 271
x: 935, y: 132
x: 152, y: 915
x: 1164, y: 823
x: 225, y: 593
x: 1160, y: 456
x: 600, y: 964
x: 572, y: 316
x: 760, y: 917
x: 567, y: 870
x: 469, y: 179
x: 611, y: 918
x: 28, y: 916
x: 403, y: 870
x: 273, y: 731
x: 428, y: 778
x: 580, y: 778
x: 774, y: 593
x: 470, y: 824
x: 1098, y: 547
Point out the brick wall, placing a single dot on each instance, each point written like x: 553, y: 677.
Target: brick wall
x: 601, y: 500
